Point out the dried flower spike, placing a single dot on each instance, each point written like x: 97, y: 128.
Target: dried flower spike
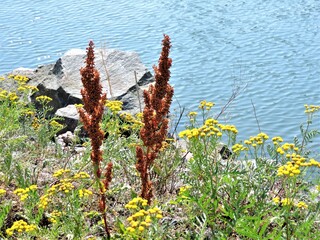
x: 155, y: 118
x: 91, y: 115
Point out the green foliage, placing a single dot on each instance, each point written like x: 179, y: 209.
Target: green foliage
x: 247, y: 194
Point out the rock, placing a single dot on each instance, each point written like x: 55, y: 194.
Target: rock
x: 70, y: 117
x: 66, y: 139
x: 62, y: 81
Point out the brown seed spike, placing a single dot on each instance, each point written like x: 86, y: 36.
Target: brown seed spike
x: 91, y: 116
x: 157, y: 104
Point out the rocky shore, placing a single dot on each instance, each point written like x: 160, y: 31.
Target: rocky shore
x: 123, y: 77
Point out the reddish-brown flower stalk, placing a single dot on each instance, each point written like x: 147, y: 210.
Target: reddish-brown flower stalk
x: 155, y: 118
x: 91, y: 116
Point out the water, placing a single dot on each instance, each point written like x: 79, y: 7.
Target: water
x: 271, y: 47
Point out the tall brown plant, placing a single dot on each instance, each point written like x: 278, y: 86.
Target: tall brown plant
x: 91, y: 116
x: 157, y: 101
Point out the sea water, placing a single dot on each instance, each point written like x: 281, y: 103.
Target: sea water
x: 268, y: 49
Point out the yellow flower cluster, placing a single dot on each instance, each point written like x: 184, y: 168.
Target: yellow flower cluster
x: 2, y: 191
x: 28, y: 112
x: 5, y: 95
x: 182, y: 192
x: 23, y: 87
x: 55, y: 124
x: 311, y: 108
x: 192, y: 114
x: 257, y: 140
x: 23, y: 193
x: 289, y: 169
x: 20, y: 227
x: 142, y: 218
x: 134, y: 203
x: 19, y: 78
x: 164, y: 145
x: 210, y: 128
x: 189, y: 133
x: 206, y: 105
x: 277, y: 140
x: 43, y: 99
x: 79, y: 105
x: 237, y: 148
x: 2, y: 78
x: 302, y: 205
x: 276, y: 200
x: 115, y: 106
x: 311, y: 163
x: 65, y: 186
x: 32, y: 88
x: 81, y: 175
x: 54, y: 215
x: 294, y: 163
x: 35, y: 123
x: 84, y: 193
x: 230, y: 128
x: 286, y: 147
x: 288, y: 201
x: 60, y: 172
x: 135, y: 122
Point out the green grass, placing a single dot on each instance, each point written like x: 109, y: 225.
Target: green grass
x: 49, y: 192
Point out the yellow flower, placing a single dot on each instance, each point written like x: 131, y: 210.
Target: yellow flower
x: 78, y: 105
x: 21, y: 88
x: 32, y: 88
x: 81, y: 175
x: 206, y: 105
x: 159, y: 216
x: 55, y: 124
x: 192, y: 114
x: 12, y: 97
x: 276, y: 200
x: 302, y: 205
x: 134, y: 224
x: 286, y: 202
x: 20, y: 226
x: 148, y: 219
x: 60, y: 172
x: 114, y: 106
x: 131, y: 229
x: 2, y: 191
x: 311, y: 108
x: 43, y: 99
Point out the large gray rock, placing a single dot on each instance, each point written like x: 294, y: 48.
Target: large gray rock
x: 62, y: 81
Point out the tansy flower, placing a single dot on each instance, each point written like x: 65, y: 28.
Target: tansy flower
x: 302, y: 205
x: 114, y: 106
x: 192, y: 114
x: 2, y: 191
x: 286, y: 202
x: 43, y: 99
x: 276, y: 200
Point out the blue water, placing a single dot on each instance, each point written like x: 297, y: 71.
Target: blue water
x: 271, y: 47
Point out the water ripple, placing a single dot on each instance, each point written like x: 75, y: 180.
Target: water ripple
x: 273, y: 46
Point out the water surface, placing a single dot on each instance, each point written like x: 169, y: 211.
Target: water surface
x: 271, y: 47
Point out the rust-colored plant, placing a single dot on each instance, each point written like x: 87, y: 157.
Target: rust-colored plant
x: 91, y: 116
x: 155, y: 118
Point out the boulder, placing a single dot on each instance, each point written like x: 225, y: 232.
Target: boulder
x: 62, y: 81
